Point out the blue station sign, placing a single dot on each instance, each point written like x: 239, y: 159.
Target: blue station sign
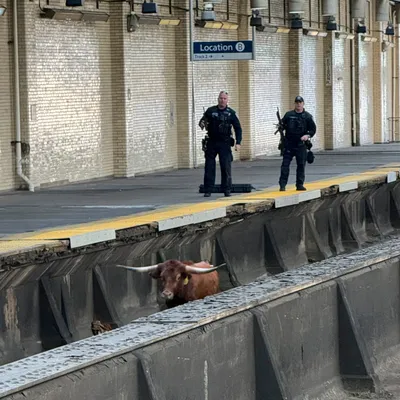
x: 225, y: 50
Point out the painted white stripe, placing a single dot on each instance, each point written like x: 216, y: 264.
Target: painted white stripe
x: 309, y: 195
x: 88, y: 238
x: 346, y: 186
x: 391, y: 176
x: 286, y: 201
x: 194, y: 218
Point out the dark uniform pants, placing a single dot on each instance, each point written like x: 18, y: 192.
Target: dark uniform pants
x: 225, y: 159
x: 301, y: 157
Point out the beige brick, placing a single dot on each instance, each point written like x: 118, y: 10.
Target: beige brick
x: 99, y: 101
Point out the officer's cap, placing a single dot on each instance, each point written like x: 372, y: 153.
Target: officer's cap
x: 299, y: 99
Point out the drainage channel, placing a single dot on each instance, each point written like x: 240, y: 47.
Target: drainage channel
x: 50, y: 304
x: 324, y: 331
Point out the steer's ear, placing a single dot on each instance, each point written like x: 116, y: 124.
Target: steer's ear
x: 185, y: 277
x: 156, y: 273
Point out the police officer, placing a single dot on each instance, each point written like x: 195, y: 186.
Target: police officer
x: 300, y: 128
x: 219, y: 121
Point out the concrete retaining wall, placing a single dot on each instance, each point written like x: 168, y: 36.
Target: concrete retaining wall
x: 316, y: 332
x: 49, y: 304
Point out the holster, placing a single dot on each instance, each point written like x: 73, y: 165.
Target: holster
x: 281, y: 146
x: 204, y: 143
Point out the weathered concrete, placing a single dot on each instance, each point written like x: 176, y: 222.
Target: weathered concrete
x: 49, y: 299
x: 291, y: 336
x: 58, y: 299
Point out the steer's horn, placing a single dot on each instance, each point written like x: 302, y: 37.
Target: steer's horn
x: 196, y: 270
x: 140, y: 269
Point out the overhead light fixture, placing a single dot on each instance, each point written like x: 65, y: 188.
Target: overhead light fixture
x: 296, y: 23
x: 314, y: 32
x: 74, y: 15
x: 230, y: 25
x: 208, y: 24
x: 310, y: 32
x: 170, y: 21
x: 350, y: 36
x: 389, y: 30
x: 256, y: 19
x: 366, y: 38
x: 61, y: 14
x: 3, y: 10
x: 331, y: 25
x: 149, y: 8
x: 95, y: 16
x: 208, y: 14
x: 386, y: 45
x: 132, y: 22
x: 283, y: 29
x: 148, y: 20
x: 157, y: 20
x: 273, y: 29
x: 340, y: 35
x: 361, y: 28
x: 74, y: 3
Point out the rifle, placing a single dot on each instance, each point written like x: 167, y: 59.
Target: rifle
x: 205, y: 139
x: 280, y: 129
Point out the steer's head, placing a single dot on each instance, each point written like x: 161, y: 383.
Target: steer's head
x: 174, y: 274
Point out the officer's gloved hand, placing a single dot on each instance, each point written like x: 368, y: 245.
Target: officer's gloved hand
x: 202, y: 124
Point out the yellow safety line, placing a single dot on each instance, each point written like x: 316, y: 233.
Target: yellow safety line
x: 7, y: 246
x: 50, y: 236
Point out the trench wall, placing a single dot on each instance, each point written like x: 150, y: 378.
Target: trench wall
x: 320, y: 331
x: 53, y: 302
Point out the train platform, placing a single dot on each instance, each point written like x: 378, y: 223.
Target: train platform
x: 90, y: 212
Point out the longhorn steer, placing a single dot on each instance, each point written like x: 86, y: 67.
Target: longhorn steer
x: 183, y: 281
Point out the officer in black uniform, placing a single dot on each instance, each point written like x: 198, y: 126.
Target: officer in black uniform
x: 218, y: 120
x: 299, y: 128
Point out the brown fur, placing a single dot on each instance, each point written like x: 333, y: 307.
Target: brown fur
x: 100, y: 327
x: 172, y: 276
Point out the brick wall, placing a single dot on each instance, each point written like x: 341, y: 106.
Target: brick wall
x: 97, y: 100
x: 7, y: 134
x: 151, y: 106
x: 341, y: 101
x: 366, y: 90
x: 68, y: 108
x: 386, y: 93
x: 313, y: 84
x: 271, y: 89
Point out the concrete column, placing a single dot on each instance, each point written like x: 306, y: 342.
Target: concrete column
x: 378, y: 84
x: 246, y: 88
x: 328, y: 89
x: 184, y: 90
x: 123, y: 164
x: 355, y: 88
x: 296, y: 62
